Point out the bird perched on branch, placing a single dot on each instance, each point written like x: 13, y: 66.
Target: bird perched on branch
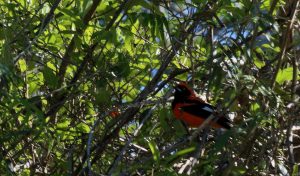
x: 193, y: 111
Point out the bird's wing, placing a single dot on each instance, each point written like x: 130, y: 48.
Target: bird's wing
x: 200, y: 110
x: 204, y: 110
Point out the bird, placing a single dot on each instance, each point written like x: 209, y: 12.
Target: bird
x: 114, y: 112
x: 192, y: 110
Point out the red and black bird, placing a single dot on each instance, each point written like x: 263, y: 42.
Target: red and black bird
x: 193, y: 110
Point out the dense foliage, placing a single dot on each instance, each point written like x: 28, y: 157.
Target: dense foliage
x: 86, y: 86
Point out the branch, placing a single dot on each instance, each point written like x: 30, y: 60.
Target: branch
x: 129, y: 141
x: 130, y: 112
x: 44, y: 24
x: 59, y: 99
x: 285, y: 39
x: 66, y: 58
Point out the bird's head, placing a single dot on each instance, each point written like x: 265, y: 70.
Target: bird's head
x: 183, y: 91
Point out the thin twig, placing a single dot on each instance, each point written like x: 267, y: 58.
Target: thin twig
x: 44, y: 24
x: 129, y: 141
x: 97, y: 122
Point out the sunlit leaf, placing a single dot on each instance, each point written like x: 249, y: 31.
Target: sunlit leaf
x: 63, y: 125
x: 82, y: 127
x: 22, y: 65
x: 284, y: 75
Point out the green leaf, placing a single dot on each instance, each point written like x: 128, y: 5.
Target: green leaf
x: 295, y: 170
x: 122, y: 68
x: 240, y: 170
x: 180, y: 153
x: 102, y: 96
x: 6, y: 57
x: 164, y: 115
x: 266, y: 5
x: 150, y: 6
x: 102, y: 35
x: 63, y: 125
x: 22, y: 65
x: 35, y: 81
x: 50, y: 146
x: 154, y: 149
x: 68, y: 12
x: 103, y: 5
x: 86, y: 4
x: 135, y: 26
x: 51, y: 65
x: 82, y: 127
x: 128, y: 45
x: 51, y: 80
x: 222, y: 140
x: 255, y: 107
x: 185, y: 151
x: 271, y: 47
x: 74, y: 17
x: 284, y: 75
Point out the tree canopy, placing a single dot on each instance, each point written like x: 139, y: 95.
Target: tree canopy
x: 86, y: 86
